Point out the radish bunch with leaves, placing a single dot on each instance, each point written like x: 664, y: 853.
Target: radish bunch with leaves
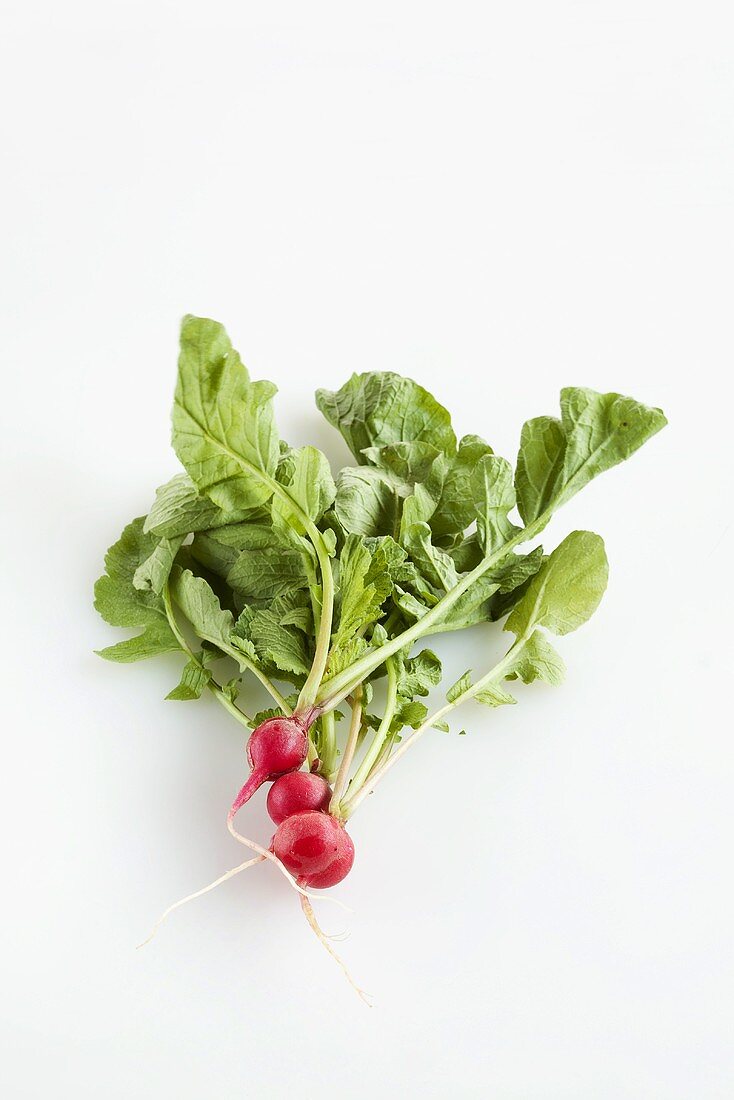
x: 270, y: 575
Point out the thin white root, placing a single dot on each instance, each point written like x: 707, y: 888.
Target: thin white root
x: 267, y: 854
x: 324, y: 940
x: 198, y: 894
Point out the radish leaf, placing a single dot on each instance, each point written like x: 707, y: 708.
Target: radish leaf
x: 373, y: 409
x: 223, y: 427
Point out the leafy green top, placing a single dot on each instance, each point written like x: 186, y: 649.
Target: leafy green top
x: 256, y: 554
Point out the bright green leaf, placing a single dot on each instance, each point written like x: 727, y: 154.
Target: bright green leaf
x: 373, y: 409
x: 120, y: 603
x: 194, y: 680
x: 223, y: 427
x: 269, y: 562
x: 538, y: 660
x: 567, y: 589
x: 433, y: 563
x: 201, y: 607
x: 461, y: 686
x: 179, y: 508
x: 494, y: 497
x: 455, y: 508
x: 596, y: 432
x: 306, y: 476
x: 152, y: 574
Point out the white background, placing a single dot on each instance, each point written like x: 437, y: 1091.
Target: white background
x: 498, y: 199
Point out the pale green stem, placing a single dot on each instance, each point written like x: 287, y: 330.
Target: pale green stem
x: 370, y: 757
x: 328, y: 744
x: 312, y: 586
x: 348, y: 754
x: 219, y: 694
x: 245, y: 663
x: 310, y: 689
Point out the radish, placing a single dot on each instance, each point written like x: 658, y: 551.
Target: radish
x: 296, y: 792
x: 276, y: 746
x: 315, y: 848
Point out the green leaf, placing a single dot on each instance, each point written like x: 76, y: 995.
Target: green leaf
x: 306, y: 476
x: 201, y: 607
x: 269, y: 562
x: 417, y: 472
x: 152, y: 574
x: 539, y: 465
x: 461, y: 686
x: 567, y: 589
x: 538, y: 660
x: 516, y: 569
x: 455, y: 508
x: 156, y: 638
x: 435, y: 564
x: 402, y: 485
x: 278, y: 640
x: 345, y: 655
x: 492, y: 695
x: 264, y: 715
x: 223, y: 427
x: 373, y: 409
x: 408, y: 712
x: 241, y: 637
x: 364, y: 585
x: 217, y: 550
x: 179, y: 509
x: 596, y: 431
x: 417, y: 675
x: 468, y: 553
x: 120, y: 603
x: 494, y: 496
x: 367, y: 502
x: 194, y: 680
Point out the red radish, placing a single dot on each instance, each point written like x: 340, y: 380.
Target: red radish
x: 315, y: 848
x: 296, y: 792
x: 277, y: 746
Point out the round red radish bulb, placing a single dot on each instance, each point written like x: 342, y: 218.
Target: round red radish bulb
x: 277, y: 746
x: 297, y: 792
x: 315, y: 848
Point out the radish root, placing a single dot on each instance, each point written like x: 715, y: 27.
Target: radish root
x: 205, y: 890
x: 324, y: 940
x: 267, y: 854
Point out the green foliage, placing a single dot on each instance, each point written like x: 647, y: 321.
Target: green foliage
x: 567, y: 590
x: 223, y: 427
x: 373, y: 409
x: 194, y: 680
x: 121, y: 603
x: 258, y: 553
x: 558, y: 457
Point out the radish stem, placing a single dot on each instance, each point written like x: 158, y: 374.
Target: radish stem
x: 495, y: 674
x: 373, y: 752
x: 348, y: 756
x: 219, y: 694
x: 328, y: 746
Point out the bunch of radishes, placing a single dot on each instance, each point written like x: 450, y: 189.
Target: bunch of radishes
x: 257, y: 556
x: 313, y: 845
